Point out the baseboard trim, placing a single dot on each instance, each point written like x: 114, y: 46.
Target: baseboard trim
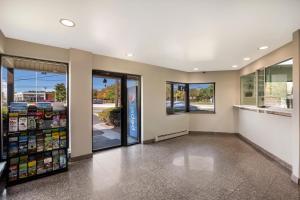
x: 150, y: 141
x: 267, y: 154
x: 213, y: 133
x: 82, y: 157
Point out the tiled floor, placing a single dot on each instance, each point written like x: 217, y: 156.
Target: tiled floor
x: 188, y: 167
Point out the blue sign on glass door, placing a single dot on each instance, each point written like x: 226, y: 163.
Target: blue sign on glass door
x: 132, y: 109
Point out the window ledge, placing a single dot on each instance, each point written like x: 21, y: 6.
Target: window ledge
x: 273, y: 111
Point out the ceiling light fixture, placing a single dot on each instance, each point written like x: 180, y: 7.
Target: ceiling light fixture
x: 67, y: 22
x: 247, y: 58
x: 263, y: 47
x: 196, y: 69
x: 234, y: 66
x: 129, y: 54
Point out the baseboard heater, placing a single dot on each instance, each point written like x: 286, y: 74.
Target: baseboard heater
x: 170, y: 135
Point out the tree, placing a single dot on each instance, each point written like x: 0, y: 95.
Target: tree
x: 60, y: 92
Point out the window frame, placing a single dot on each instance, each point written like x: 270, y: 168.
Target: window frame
x: 214, y: 99
x: 172, y: 98
x: 187, y: 98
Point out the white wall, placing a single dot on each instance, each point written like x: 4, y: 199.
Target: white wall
x: 226, y: 95
x: 271, y: 132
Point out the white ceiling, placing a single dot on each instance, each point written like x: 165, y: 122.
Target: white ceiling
x: 179, y: 34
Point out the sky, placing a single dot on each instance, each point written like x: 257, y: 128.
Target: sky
x: 25, y: 80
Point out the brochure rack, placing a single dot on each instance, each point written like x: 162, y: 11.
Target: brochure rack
x: 37, y: 143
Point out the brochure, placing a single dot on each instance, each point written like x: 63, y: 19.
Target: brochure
x: 13, y: 149
x: 13, y: 145
x: 48, y: 161
x: 31, y: 124
x: 62, y: 159
x: 39, y: 141
x: 23, y: 166
x: 31, y: 166
x: 47, y: 140
x: 40, y: 124
x: 31, y: 143
x: 13, y: 122
x: 40, y: 164
x: 13, y: 169
x: 55, y: 139
x: 32, y: 110
x: 23, y: 138
x: 55, y: 120
x: 63, y: 139
x: 55, y: 156
x: 63, y: 119
x: 22, y: 123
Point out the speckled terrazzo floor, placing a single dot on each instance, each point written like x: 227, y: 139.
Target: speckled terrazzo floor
x: 188, y: 167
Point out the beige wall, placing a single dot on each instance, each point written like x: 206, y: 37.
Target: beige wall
x: 34, y: 50
x: 226, y: 95
x: 154, y: 119
x: 2, y: 39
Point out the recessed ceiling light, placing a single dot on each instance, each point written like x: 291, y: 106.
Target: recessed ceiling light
x: 129, y: 54
x: 263, y: 47
x: 195, y: 69
x: 247, y: 58
x: 67, y: 22
x: 234, y: 66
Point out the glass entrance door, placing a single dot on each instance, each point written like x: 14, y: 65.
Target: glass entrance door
x: 106, y: 112
x: 133, y: 110
x: 116, y: 110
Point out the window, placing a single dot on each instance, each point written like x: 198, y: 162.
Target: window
x: 194, y: 97
x: 30, y: 83
x: 279, y: 85
x: 175, y: 97
x: 248, y: 89
x: 274, y: 86
x: 169, y: 95
x: 202, y: 97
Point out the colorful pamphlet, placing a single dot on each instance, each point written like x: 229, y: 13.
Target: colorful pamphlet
x: 40, y: 124
x: 63, y: 139
x: 31, y: 166
x: 13, y: 122
x: 13, y: 145
x: 47, y: 140
x: 23, y: 166
x: 40, y: 164
x: 63, y: 119
x: 62, y: 159
x: 22, y: 123
x: 31, y: 124
x: 31, y: 142
x: 13, y: 169
x: 48, y: 162
x: 39, y: 141
x: 55, y: 139
x: 55, y: 120
x: 23, y: 138
x: 55, y: 156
